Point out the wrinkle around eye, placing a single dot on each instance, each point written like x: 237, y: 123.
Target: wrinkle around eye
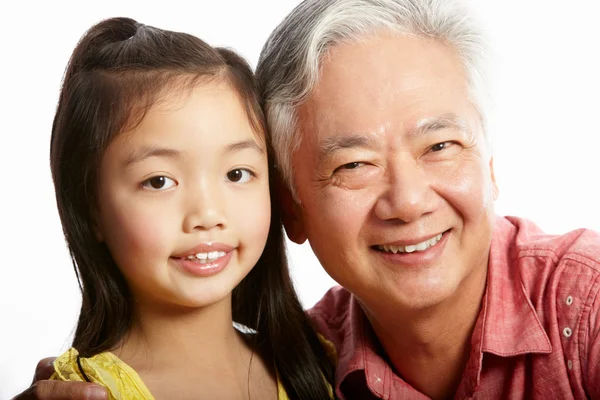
x: 357, y: 178
x: 450, y: 149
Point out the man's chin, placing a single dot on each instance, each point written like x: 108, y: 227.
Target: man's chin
x: 410, y: 296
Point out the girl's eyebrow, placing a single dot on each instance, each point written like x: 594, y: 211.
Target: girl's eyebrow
x: 147, y: 152
x: 243, y: 145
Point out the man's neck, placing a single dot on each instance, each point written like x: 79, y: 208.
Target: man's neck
x: 429, y: 349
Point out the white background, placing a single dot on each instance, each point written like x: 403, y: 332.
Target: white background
x: 546, y: 133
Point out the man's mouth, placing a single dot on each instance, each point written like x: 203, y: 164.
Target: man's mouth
x: 421, y: 246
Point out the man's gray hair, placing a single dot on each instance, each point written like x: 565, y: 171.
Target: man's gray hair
x: 288, y: 67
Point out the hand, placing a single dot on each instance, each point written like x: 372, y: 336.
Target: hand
x: 43, y: 389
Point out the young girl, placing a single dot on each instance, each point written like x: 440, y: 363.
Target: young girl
x: 160, y: 163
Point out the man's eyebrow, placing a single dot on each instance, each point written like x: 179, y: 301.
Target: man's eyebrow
x: 433, y: 124
x: 243, y: 145
x: 149, y: 151
x: 330, y: 145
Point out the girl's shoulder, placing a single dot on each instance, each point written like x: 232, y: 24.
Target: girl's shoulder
x: 104, y: 369
x: 122, y: 382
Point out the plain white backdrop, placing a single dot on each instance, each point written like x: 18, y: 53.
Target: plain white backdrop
x: 545, y: 126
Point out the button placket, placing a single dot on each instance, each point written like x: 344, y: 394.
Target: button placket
x: 567, y: 331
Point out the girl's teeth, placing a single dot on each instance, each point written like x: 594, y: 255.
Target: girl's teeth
x: 205, y: 257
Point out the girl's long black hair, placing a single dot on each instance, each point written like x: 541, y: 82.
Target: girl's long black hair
x: 117, y: 71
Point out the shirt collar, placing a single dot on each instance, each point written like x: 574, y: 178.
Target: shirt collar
x: 510, y: 323
x: 362, y: 352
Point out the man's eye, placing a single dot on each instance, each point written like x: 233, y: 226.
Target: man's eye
x: 441, y: 146
x: 352, y: 165
x: 158, y: 183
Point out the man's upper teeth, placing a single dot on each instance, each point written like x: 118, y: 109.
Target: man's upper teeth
x: 211, y: 255
x: 412, y: 247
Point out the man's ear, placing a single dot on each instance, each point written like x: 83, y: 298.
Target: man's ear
x: 291, y: 214
x: 495, y: 189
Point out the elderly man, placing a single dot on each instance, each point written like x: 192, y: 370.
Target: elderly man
x: 377, y: 110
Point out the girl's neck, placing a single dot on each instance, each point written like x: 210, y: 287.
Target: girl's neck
x: 161, y: 336
x: 194, y: 350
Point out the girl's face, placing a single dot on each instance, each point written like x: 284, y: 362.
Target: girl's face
x: 183, y: 200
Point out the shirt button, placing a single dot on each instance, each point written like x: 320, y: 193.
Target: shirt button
x: 570, y: 364
x: 567, y: 332
x: 569, y: 300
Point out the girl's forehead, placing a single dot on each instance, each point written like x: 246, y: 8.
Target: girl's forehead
x: 202, y: 124
x: 211, y: 111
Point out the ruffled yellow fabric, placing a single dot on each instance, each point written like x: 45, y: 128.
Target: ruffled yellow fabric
x: 107, y: 370
x: 330, y: 349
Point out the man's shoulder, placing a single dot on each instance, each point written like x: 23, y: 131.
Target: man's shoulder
x: 333, y: 307
x: 332, y: 315
x: 577, y: 247
x: 559, y: 274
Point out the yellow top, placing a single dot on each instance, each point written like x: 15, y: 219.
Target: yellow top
x: 107, y: 370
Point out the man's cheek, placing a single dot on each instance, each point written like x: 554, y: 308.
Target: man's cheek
x: 346, y: 209
x: 466, y: 191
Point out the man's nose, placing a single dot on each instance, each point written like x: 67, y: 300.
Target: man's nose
x: 408, y: 194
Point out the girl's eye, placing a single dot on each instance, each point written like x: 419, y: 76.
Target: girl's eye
x: 239, y: 175
x: 159, y: 183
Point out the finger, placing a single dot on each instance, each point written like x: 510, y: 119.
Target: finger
x: 44, y: 369
x: 57, y: 390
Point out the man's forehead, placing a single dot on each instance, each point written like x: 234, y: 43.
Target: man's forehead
x: 345, y: 139
x: 350, y: 88
x: 380, y: 45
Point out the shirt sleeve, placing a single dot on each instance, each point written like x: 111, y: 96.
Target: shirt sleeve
x: 66, y: 368
x: 104, y: 369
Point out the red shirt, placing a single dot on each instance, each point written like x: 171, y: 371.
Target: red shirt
x: 537, y: 335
